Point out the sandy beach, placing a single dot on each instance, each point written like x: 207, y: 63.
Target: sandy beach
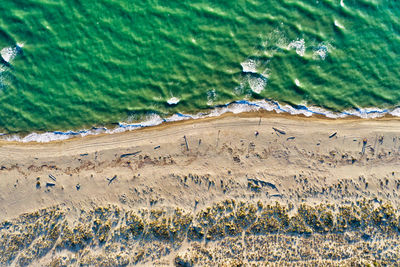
x: 192, y: 165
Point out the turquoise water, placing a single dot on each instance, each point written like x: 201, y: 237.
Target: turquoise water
x: 71, y: 65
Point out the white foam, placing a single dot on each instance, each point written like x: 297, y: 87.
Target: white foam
x: 173, y: 101
x: 8, y: 53
x: 297, y: 82
x: 299, y: 45
x: 150, y: 120
x: 250, y: 65
x: 341, y: 3
x: 39, y: 137
x: 337, y: 24
x: 239, y: 90
x: 257, y: 84
x: 395, y: 112
x: 178, y: 117
x: 367, y: 113
x: 322, y: 50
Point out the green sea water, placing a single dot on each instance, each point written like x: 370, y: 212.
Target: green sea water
x: 76, y: 64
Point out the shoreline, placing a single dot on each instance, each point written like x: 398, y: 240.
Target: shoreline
x: 263, y: 114
x: 267, y: 108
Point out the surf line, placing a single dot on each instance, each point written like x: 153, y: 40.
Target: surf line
x: 233, y: 107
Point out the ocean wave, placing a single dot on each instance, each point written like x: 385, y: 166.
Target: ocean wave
x: 9, y: 53
x: 250, y: 65
x: 173, y: 100
x: 235, y: 107
x: 337, y: 24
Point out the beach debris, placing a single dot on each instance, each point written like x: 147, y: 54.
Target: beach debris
x: 279, y: 131
x: 333, y: 135
x: 52, y: 177
x: 218, y: 138
x: 276, y: 195
x: 364, y: 145
x: 78, y: 186
x: 157, y: 147
x: 380, y: 140
x: 290, y: 138
x: 85, y: 154
x: 111, y: 179
x: 256, y: 133
x: 253, y: 187
x: 130, y: 154
x: 187, y: 147
x: 153, y: 201
x: 262, y: 183
x: 49, y: 184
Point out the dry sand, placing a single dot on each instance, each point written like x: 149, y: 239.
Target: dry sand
x: 226, y: 149
x: 193, y: 164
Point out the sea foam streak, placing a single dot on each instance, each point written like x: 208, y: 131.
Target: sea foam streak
x: 234, y: 107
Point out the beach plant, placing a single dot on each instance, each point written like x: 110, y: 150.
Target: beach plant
x: 195, y: 233
x: 135, y: 224
x: 140, y: 236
